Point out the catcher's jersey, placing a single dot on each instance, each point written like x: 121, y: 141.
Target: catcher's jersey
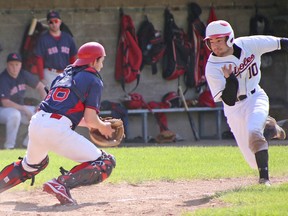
x: 66, y: 102
x: 246, y: 68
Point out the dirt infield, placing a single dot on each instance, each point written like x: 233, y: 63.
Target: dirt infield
x: 151, y: 198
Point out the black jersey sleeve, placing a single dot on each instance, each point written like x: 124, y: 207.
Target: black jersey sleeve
x: 284, y: 44
x: 229, y: 94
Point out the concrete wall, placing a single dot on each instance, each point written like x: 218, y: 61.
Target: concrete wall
x: 99, y: 21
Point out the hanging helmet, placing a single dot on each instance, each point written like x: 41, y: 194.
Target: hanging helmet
x: 88, y: 52
x: 206, y: 99
x: 172, y: 99
x: 219, y: 28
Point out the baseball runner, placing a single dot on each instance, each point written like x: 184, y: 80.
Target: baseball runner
x: 55, y: 50
x: 74, y: 99
x: 233, y: 75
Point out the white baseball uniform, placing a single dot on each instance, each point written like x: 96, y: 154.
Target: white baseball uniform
x: 249, y: 114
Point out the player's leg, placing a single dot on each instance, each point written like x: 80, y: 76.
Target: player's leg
x: 257, y: 142
x: 95, y: 165
x: 49, y: 76
x: 25, y: 120
x: 86, y: 173
x: 237, y: 123
x: 11, y: 117
x: 16, y: 172
x: 36, y: 158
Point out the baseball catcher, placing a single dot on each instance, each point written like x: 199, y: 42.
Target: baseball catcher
x: 116, y: 137
x: 73, y: 100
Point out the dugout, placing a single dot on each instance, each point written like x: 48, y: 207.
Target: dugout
x: 99, y: 21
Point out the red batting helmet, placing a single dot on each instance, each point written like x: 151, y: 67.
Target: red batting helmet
x: 88, y: 52
x: 219, y: 28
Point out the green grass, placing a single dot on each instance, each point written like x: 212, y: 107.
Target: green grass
x: 257, y: 200
x: 136, y: 165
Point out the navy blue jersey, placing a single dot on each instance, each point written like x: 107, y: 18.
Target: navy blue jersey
x: 65, y: 101
x: 56, y: 52
x: 14, y: 89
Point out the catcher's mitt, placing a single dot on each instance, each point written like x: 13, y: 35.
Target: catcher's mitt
x: 117, y: 135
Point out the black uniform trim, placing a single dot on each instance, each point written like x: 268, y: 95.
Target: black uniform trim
x: 229, y: 94
x: 284, y: 44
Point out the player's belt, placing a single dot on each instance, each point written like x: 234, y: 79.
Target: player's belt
x: 55, y: 70
x: 55, y: 116
x: 243, y: 97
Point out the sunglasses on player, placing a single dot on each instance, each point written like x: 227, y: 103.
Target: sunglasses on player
x: 53, y: 21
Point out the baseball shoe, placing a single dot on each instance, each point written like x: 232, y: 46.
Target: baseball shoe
x: 273, y: 130
x: 280, y: 133
x: 265, y: 182
x: 59, y: 191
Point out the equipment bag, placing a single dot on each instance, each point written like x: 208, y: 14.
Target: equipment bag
x: 129, y: 55
x: 151, y: 43
x: 175, y: 60
x: 29, y: 41
x: 196, y: 33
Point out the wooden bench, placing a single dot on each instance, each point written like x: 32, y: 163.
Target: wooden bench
x: 201, y: 110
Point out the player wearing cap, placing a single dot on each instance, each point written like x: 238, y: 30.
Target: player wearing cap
x: 13, y: 82
x: 233, y: 74
x: 55, y: 50
x: 74, y: 99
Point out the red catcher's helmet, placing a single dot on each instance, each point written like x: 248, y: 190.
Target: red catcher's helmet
x: 172, y: 98
x: 219, y: 28
x: 88, y: 52
x: 206, y: 99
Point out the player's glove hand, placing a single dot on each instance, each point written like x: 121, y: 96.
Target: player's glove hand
x: 116, y: 137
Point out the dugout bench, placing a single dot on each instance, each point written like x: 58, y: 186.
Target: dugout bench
x: 200, y: 110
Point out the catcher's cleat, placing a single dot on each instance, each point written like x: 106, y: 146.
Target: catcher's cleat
x: 59, y: 191
x: 265, y: 182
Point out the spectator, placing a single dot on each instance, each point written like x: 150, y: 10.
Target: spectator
x: 13, y: 81
x: 55, y: 50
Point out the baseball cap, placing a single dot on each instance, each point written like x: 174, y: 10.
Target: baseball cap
x: 14, y: 57
x: 53, y: 15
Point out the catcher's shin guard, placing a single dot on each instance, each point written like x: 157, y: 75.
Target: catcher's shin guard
x: 14, y: 174
x: 88, y: 173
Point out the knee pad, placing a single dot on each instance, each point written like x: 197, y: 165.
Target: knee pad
x: 14, y: 174
x: 35, y: 167
x: 88, y: 173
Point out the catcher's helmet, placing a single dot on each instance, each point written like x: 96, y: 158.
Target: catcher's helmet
x: 88, y: 52
x: 172, y: 98
x: 219, y: 28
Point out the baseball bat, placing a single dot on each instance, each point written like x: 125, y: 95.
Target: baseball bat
x: 31, y: 30
x: 192, y: 125
x: 32, y: 27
